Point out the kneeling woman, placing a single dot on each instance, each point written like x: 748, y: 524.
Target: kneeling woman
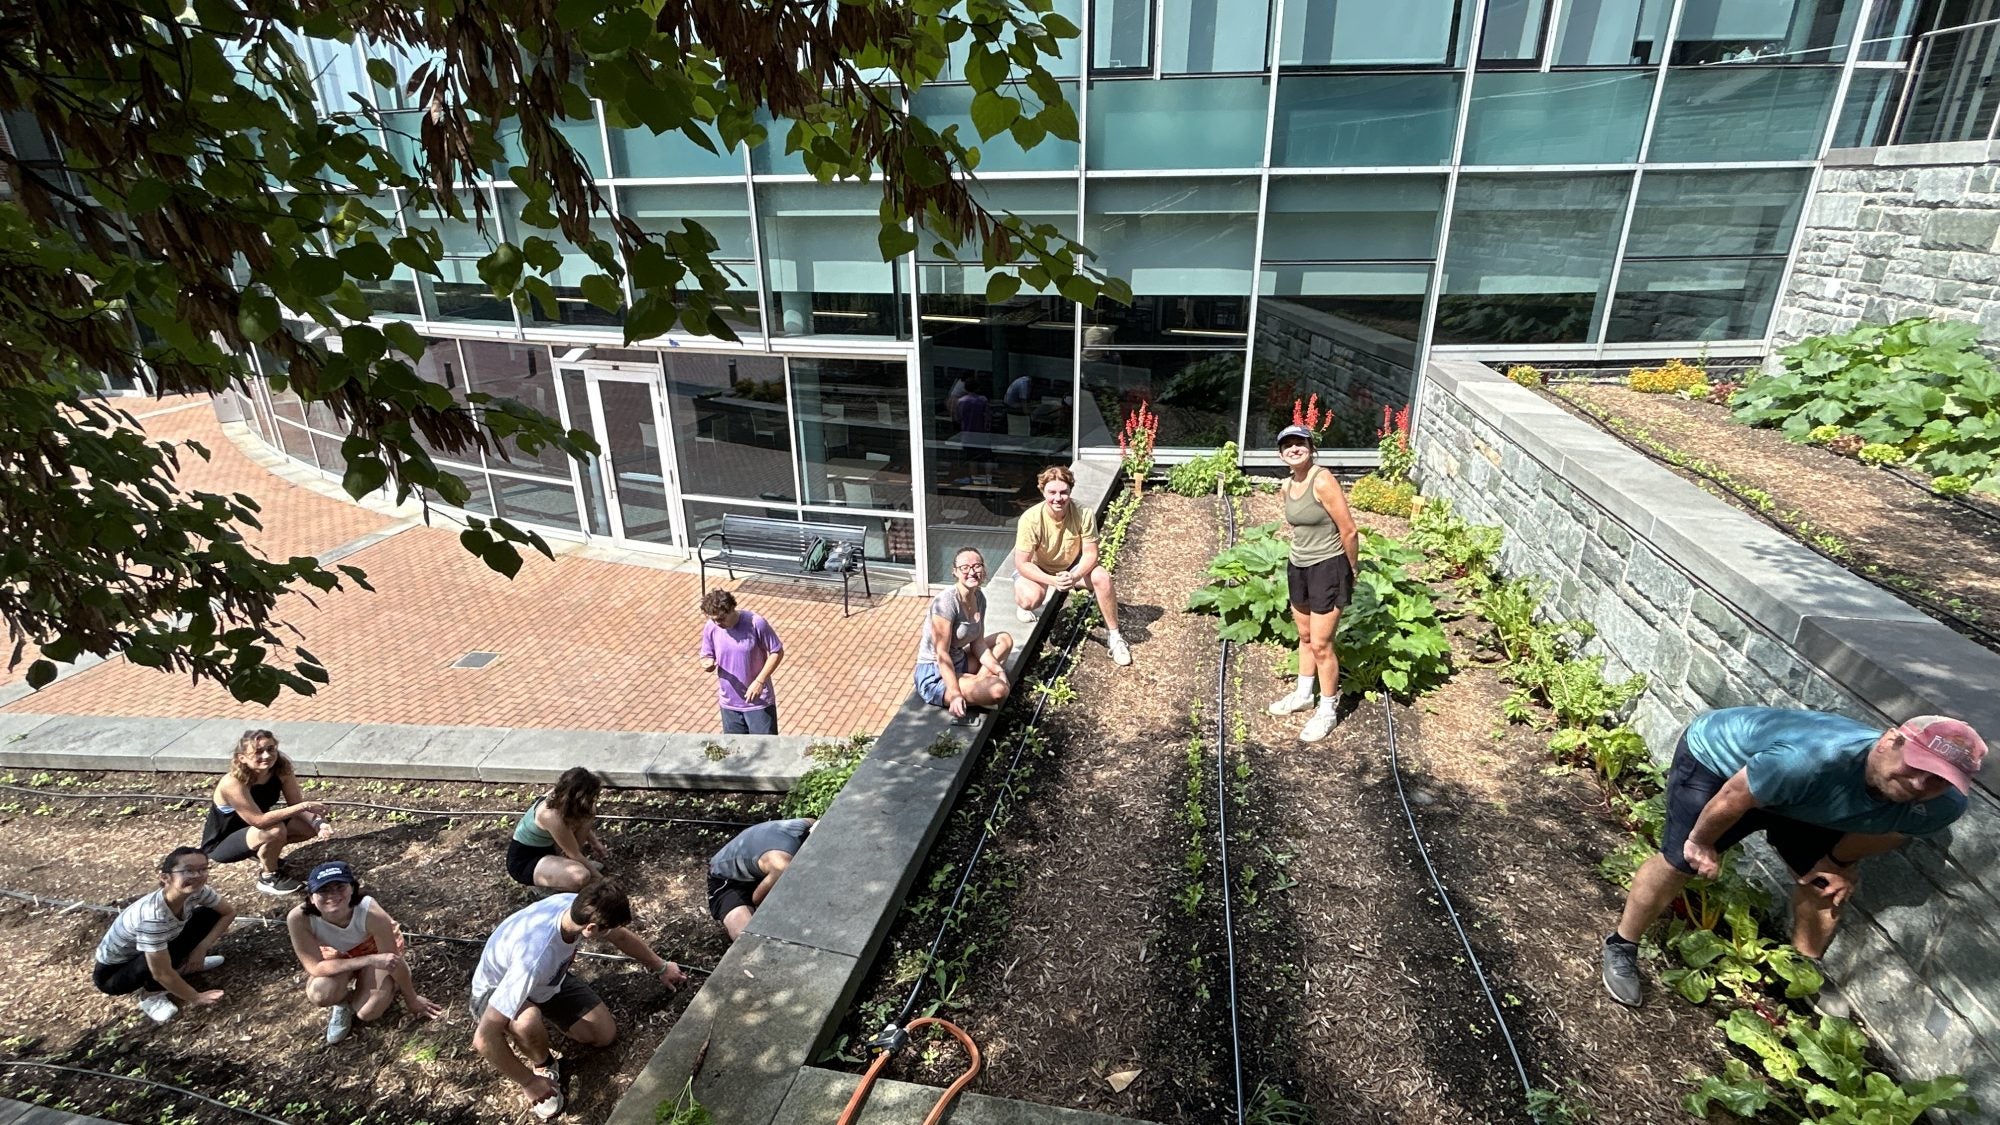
x: 552, y: 836
x: 352, y: 952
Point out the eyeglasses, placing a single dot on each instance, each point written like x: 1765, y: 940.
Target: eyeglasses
x: 970, y: 568
x: 190, y: 872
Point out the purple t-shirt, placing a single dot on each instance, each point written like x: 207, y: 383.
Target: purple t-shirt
x: 739, y: 654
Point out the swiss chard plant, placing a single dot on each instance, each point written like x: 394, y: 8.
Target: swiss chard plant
x: 1741, y: 961
x: 1816, y: 1072
x: 1247, y: 590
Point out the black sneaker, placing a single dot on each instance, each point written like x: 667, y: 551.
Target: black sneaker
x: 1621, y: 971
x: 278, y: 883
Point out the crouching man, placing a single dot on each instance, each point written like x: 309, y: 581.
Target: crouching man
x: 1826, y: 791
x: 523, y: 983
x: 747, y: 867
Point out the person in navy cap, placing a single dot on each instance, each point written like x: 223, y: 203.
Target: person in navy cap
x: 351, y: 950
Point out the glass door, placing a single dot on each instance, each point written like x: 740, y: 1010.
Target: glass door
x: 631, y: 489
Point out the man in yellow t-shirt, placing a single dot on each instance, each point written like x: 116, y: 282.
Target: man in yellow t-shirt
x: 1055, y: 548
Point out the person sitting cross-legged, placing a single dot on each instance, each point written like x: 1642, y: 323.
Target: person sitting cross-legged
x: 959, y: 664
x: 351, y: 950
x: 1055, y: 548
x: 160, y: 940
x: 1826, y: 790
x: 747, y: 867
x: 523, y: 983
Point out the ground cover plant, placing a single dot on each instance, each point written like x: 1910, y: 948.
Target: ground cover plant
x: 261, y: 1047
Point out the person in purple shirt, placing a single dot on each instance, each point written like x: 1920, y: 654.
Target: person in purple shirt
x: 744, y: 652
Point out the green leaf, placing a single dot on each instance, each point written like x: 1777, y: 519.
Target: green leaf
x: 258, y: 317
x: 317, y: 275
x: 603, y: 292
x: 383, y: 73
x: 368, y: 260
x: 992, y: 113
x: 148, y: 195
x: 405, y: 338
x: 542, y: 254
x: 501, y: 269
x: 364, y: 475
x: 652, y: 315
x: 985, y: 68
x: 895, y: 242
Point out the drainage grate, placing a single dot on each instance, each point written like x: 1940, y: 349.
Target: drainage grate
x: 475, y: 660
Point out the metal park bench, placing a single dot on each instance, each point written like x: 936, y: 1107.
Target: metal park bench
x: 781, y: 547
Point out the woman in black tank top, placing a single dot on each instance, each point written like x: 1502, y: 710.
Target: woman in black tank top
x: 259, y: 811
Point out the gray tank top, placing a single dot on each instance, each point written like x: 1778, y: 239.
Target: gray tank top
x: 1315, y: 539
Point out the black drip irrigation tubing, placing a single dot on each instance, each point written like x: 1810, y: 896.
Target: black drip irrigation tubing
x: 1423, y: 853
x: 1987, y: 637
x: 181, y: 1090
x: 891, y: 1035
x: 1222, y: 826
x: 450, y: 814
x: 1923, y: 485
x: 65, y: 905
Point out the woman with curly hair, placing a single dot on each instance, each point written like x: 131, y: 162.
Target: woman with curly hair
x: 258, y: 810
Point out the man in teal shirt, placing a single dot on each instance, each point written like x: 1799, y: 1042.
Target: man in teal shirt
x: 1825, y: 790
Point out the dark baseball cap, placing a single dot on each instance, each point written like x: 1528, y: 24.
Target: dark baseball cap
x: 332, y: 871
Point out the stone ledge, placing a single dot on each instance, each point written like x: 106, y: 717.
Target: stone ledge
x: 1912, y: 156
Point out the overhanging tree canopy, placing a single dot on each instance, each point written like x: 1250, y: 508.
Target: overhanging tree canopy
x: 204, y: 194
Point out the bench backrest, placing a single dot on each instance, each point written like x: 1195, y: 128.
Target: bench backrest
x: 762, y: 534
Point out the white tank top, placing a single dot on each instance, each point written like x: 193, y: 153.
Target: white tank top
x: 344, y: 941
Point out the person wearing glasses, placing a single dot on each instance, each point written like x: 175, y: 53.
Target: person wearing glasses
x: 159, y: 941
x: 959, y: 665
x: 351, y: 950
x: 1055, y: 548
x: 1827, y: 791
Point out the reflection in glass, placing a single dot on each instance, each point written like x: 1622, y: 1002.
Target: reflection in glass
x: 729, y: 422
x: 1347, y: 333
x: 458, y: 294
x: 1865, y: 116
x: 1712, y: 299
x: 1352, y: 218
x: 1159, y: 321
x: 1147, y: 123
x: 827, y: 276
x: 853, y: 418
x: 723, y: 210
x: 1196, y: 394
x: 631, y: 452
x: 528, y: 500
x: 395, y: 296
x: 1174, y: 236
x: 637, y: 153
x: 1573, y: 117
x: 1061, y: 65
x: 1513, y: 31
x: 443, y: 366
x: 1122, y: 35
x: 1714, y: 113
x: 1716, y: 213
x: 520, y: 372
x: 1529, y: 258
x: 944, y: 106
x: 1611, y: 32
x: 705, y: 518
x: 1952, y: 98
x: 1890, y: 28
x: 1344, y: 33
x: 295, y: 441
x: 1214, y: 36
x: 1742, y: 31
x: 1372, y: 120
x: 479, y: 498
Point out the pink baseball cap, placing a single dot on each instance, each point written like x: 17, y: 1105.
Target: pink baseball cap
x: 1946, y: 747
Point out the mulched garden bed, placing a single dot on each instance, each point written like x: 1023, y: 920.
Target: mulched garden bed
x: 263, y: 1045
x: 1866, y: 519
x: 1089, y: 982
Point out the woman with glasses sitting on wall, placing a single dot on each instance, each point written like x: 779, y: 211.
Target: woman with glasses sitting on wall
x: 959, y: 664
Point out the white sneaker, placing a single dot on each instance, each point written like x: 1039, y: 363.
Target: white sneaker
x: 339, y: 1021
x: 553, y: 1104
x: 1291, y: 704
x: 1319, y: 726
x: 208, y: 964
x: 158, y: 1006
x: 1121, y: 653
x: 548, y: 1107
x: 1026, y: 616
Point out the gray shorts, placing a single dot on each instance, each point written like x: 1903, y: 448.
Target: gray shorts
x: 573, y: 1001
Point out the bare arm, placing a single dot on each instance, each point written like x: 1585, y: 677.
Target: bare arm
x: 1333, y: 498
x: 1024, y: 565
x: 553, y: 823
x: 295, y: 802
x: 763, y: 678
x: 1835, y: 876
x: 1723, y: 810
x: 305, y: 947
x: 635, y: 947
x: 772, y: 864
x: 1085, y: 562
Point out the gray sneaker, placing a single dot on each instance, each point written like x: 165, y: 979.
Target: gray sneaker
x: 1621, y: 972
x: 339, y: 1021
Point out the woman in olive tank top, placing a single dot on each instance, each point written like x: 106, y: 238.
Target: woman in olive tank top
x: 1320, y: 577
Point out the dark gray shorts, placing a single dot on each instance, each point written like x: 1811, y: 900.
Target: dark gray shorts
x: 573, y: 1001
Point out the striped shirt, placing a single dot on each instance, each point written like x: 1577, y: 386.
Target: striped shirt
x: 148, y: 925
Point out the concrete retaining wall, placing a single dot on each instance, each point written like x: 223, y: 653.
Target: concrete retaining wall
x: 1720, y: 610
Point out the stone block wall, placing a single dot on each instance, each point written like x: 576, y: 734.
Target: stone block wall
x: 1912, y: 230
x: 1719, y: 610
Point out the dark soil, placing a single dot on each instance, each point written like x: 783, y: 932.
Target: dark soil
x: 263, y: 1045
x: 1890, y: 530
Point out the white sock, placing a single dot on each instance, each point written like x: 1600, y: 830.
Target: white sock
x: 1305, y: 686
x: 1114, y: 633
x: 1328, y: 704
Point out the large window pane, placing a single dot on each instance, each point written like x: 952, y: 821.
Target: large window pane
x: 854, y: 431
x: 1374, y: 120
x: 827, y: 276
x: 1214, y: 36
x: 1178, y: 123
x: 1529, y: 258
x: 1346, y: 33
x: 730, y: 427
x: 1196, y: 394
x: 1611, y: 32
x: 945, y: 106
x: 1352, y: 218
x: 1166, y: 321
x: 1737, y: 31
x: 1513, y: 31
x: 1716, y: 213
x: 1584, y: 117
x: 566, y: 280
x: 721, y: 209
x: 1890, y: 29
x: 526, y: 500
x: 459, y: 294
x: 1865, y: 115
x: 639, y: 154
x: 1122, y: 34
x: 1694, y: 300
x: 1174, y: 236
x: 1953, y: 96
x: 1347, y: 333
x: 520, y: 372
x: 1743, y: 113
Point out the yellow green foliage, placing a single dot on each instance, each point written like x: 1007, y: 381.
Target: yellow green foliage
x: 1526, y: 375
x: 1671, y: 377
x: 1373, y: 494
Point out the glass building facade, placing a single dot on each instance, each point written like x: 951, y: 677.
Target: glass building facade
x: 1307, y: 197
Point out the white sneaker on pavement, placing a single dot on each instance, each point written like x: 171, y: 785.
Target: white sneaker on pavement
x: 1121, y: 653
x: 1291, y: 704
x: 1319, y: 726
x: 158, y: 1006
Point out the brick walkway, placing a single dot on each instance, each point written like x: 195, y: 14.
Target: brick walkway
x: 582, y: 643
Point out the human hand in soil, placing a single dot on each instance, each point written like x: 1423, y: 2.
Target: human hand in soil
x: 538, y: 1089
x: 425, y: 1008
x: 671, y: 975
x: 204, y: 999
x: 1702, y: 858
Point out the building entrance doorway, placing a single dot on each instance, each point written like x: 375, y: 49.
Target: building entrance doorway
x: 630, y: 489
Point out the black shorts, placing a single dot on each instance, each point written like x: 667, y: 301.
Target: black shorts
x: 233, y: 848
x: 522, y: 858
x: 725, y: 895
x: 1323, y: 587
x: 1691, y: 785
x: 573, y: 1001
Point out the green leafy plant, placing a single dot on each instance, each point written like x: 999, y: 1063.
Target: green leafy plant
x: 1527, y: 375
x: 1877, y: 453
x: 1393, y: 446
x: 1455, y: 548
x: 1197, y: 476
x: 1390, y: 498
x: 683, y: 1110
x: 1554, y: 1107
x: 1951, y: 485
x: 1615, y: 752
x: 1671, y: 377
x: 1247, y: 590
x: 817, y: 787
x: 1818, y: 435
x: 1816, y: 1072
x: 1390, y: 638
x: 1740, y: 961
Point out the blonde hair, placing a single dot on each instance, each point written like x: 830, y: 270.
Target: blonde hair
x: 249, y: 741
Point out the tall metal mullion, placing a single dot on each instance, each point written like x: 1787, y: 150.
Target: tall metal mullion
x: 757, y: 248
x: 1554, y: 14
x: 1257, y: 250
x: 1428, y: 330
x: 1601, y: 326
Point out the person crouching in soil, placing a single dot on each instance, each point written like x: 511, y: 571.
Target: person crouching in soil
x: 156, y: 943
x: 552, y: 837
x: 257, y: 810
x: 747, y: 867
x: 352, y: 952
x: 523, y: 983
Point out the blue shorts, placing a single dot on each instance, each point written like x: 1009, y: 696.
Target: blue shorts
x: 762, y: 720
x: 930, y: 685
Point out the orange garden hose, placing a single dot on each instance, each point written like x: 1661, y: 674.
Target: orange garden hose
x: 853, y: 1110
